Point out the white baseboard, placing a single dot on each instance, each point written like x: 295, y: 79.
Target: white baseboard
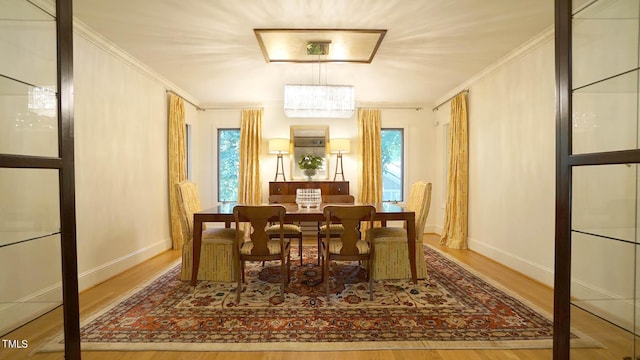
x: 114, y: 267
x: 524, y: 266
x: 33, y: 305
x: 433, y: 229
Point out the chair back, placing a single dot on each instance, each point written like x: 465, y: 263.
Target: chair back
x: 350, y: 218
x: 259, y: 217
x: 338, y: 199
x: 420, y: 202
x: 189, y: 203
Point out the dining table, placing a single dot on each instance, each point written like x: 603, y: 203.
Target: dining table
x: 223, y: 213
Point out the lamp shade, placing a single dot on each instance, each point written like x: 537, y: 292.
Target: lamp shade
x: 340, y: 145
x: 278, y: 146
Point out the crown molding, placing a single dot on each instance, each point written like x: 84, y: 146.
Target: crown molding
x: 530, y: 45
x: 82, y: 29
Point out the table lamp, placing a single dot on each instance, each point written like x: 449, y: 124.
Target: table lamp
x: 279, y: 147
x: 339, y: 146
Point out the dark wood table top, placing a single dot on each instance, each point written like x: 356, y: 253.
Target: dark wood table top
x: 224, y: 213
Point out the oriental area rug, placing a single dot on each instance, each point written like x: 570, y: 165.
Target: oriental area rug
x: 454, y: 309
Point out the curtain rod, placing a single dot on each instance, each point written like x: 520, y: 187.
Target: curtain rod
x: 449, y: 99
x: 185, y: 99
x: 393, y: 107
x: 234, y: 107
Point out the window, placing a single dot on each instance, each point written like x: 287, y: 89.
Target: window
x: 228, y: 164
x: 392, y: 164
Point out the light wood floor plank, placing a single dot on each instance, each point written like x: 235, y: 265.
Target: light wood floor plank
x: 37, y: 332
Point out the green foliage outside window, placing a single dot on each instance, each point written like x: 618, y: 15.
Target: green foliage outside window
x: 391, y: 147
x: 228, y: 164
x: 392, y: 168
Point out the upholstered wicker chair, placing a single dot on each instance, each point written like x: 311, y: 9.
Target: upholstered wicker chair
x: 260, y: 246
x: 336, y: 229
x: 391, y: 260
x: 216, y: 256
x: 291, y: 231
x: 349, y: 246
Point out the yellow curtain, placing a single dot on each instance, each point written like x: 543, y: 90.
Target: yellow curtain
x: 454, y: 233
x: 177, y: 164
x: 369, y: 141
x: 250, y: 187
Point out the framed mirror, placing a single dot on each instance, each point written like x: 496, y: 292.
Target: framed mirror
x: 309, y: 140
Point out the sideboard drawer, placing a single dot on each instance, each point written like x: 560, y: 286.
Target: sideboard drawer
x: 327, y: 187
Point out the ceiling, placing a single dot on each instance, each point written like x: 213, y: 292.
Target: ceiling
x: 208, y: 48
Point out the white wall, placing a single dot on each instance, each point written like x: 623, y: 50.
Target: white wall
x: 121, y: 163
x: 512, y: 160
x: 420, y: 136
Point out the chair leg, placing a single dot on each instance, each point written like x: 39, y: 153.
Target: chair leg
x: 288, y: 269
x: 242, y: 267
x: 370, y: 276
x: 321, y: 263
x: 325, y: 274
x: 300, y: 247
x: 240, y: 280
x: 283, y: 278
x: 319, y: 247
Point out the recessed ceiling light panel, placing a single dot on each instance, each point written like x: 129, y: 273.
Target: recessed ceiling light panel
x: 291, y: 45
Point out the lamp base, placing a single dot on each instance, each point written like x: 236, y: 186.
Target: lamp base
x: 339, y: 171
x: 279, y: 169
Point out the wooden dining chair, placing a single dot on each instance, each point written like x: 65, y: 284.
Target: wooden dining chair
x: 260, y: 246
x: 349, y: 246
x: 336, y: 228
x: 291, y: 231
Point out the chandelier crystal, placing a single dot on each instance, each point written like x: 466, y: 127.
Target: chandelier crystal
x: 319, y: 101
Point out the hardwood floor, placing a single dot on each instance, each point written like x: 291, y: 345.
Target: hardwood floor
x: 616, y: 342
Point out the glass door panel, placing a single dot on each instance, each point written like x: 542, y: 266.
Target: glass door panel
x: 605, y: 115
x: 605, y: 40
x: 30, y: 280
x: 29, y: 290
x: 604, y: 269
x: 30, y: 204
x: 29, y: 34
x: 30, y: 237
x: 604, y: 198
x: 604, y: 201
x: 28, y: 119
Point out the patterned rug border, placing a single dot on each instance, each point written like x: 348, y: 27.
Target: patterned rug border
x: 582, y: 340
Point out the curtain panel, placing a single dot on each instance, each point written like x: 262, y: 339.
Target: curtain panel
x: 177, y: 164
x: 370, y: 146
x: 250, y: 186
x: 454, y: 232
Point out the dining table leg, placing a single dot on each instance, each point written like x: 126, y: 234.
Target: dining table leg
x: 411, y: 242
x: 197, y: 242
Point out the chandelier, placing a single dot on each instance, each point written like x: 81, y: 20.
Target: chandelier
x: 319, y: 101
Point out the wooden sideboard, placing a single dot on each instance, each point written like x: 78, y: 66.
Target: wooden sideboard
x: 327, y: 187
